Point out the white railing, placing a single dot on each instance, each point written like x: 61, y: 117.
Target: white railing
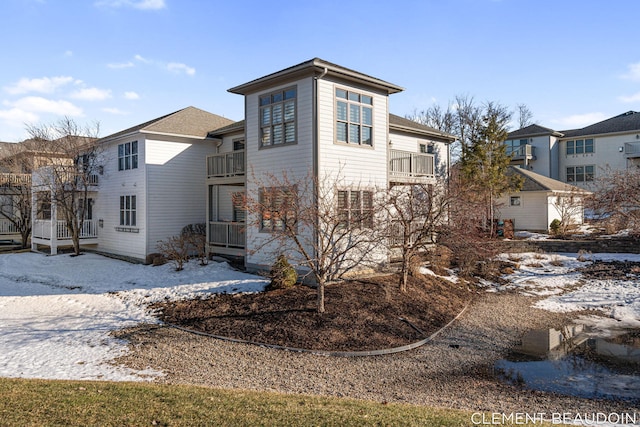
x: 522, y: 152
x: 227, y: 234
x: 7, y: 227
x: 42, y: 229
x: 406, y: 164
x: 9, y: 179
x: 226, y: 164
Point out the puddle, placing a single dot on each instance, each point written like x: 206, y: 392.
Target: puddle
x: 576, y: 361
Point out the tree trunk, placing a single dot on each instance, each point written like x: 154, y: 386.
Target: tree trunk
x: 320, y: 296
x: 405, y: 273
x: 24, y: 235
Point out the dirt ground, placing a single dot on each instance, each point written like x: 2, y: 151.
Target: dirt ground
x: 360, y: 314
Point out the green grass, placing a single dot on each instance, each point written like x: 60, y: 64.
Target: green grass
x: 75, y: 403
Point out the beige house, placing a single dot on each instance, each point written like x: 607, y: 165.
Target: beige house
x: 578, y: 156
x: 540, y: 201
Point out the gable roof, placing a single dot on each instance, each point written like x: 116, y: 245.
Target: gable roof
x: 232, y: 128
x: 313, y: 67
x: 532, y: 130
x: 625, y: 122
x: 402, y: 124
x: 536, y: 182
x: 191, y: 121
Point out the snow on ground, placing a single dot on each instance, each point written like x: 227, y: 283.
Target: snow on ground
x: 553, y: 276
x: 57, y: 312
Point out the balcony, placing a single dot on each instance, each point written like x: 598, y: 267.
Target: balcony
x: 632, y: 150
x: 226, y: 165
x: 14, y: 179
x: 44, y: 229
x: 407, y: 166
x: 523, y: 152
x: 227, y: 237
x: 7, y: 227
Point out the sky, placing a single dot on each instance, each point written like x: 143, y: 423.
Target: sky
x: 120, y: 63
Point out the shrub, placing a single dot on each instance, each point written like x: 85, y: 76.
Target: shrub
x: 176, y: 250
x: 282, y: 274
x: 196, y: 237
x: 555, y: 227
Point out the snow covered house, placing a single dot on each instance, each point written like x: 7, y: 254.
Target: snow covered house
x: 151, y: 184
x: 540, y: 201
x: 578, y: 156
x: 313, y: 119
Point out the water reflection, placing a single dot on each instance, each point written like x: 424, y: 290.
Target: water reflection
x: 576, y: 361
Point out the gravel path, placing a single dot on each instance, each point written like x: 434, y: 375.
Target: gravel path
x: 453, y: 371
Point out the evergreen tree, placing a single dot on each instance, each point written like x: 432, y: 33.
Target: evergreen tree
x: 485, y: 161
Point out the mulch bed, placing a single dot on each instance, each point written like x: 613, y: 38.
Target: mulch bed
x: 360, y: 314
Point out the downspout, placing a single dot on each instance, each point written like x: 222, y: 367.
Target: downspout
x: 315, y: 154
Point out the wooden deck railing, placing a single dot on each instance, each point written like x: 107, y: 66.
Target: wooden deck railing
x: 226, y: 164
x: 407, y: 164
x: 42, y: 229
x: 227, y: 234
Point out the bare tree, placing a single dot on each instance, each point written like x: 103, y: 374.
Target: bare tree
x: 416, y: 213
x: 525, y: 116
x: 569, y: 206
x: 320, y: 226
x: 73, y: 155
x: 617, y: 197
x: 16, y: 166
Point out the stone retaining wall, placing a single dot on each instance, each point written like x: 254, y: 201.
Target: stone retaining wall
x: 619, y: 245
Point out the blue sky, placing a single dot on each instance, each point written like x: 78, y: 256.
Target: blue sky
x: 123, y: 62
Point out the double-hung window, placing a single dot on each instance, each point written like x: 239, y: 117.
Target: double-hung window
x: 128, y: 156
x: 128, y: 211
x: 278, y: 209
x: 355, y: 208
x: 580, y: 146
x: 354, y: 117
x: 580, y: 173
x: 278, y: 117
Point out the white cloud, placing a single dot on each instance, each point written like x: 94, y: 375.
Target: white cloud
x: 142, y: 59
x: 176, y: 67
x: 115, y: 111
x: 17, y: 117
x: 117, y: 66
x: 139, y: 4
x: 42, y: 85
x: 43, y: 105
x: 91, y: 94
x: 131, y: 95
x: 633, y: 72
x: 577, y: 121
x: 631, y: 98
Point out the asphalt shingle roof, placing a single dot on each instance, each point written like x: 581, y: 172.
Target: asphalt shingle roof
x: 629, y: 121
x: 536, y: 182
x: 530, y: 131
x: 189, y: 121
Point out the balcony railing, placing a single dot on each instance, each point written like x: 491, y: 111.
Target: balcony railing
x: 227, y: 234
x: 7, y: 227
x: 522, y: 152
x: 42, y: 230
x: 406, y: 164
x: 632, y: 149
x: 11, y: 179
x: 226, y: 165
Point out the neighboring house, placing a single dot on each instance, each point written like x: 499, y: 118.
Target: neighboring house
x: 578, y: 156
x: 540, y: 201
x: 314, y: 119
x: 152, y: 183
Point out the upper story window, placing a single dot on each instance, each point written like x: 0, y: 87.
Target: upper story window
x: 580, y: 146
x: 354, y: 117
x: 514, y: 201
x: 278, y: 117
x: 128, y: 156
